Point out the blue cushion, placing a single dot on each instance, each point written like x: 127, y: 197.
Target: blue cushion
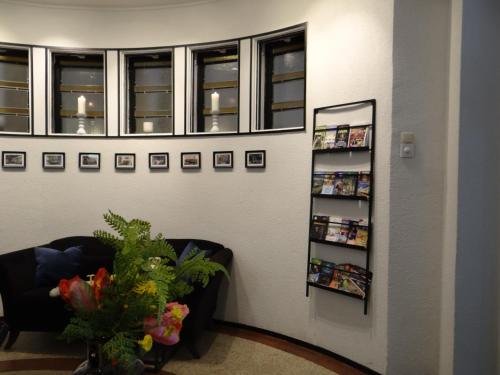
x: 54, y: 265
x: 191, y: 246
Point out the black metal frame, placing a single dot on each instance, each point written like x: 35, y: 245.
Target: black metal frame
x: 130, y: 94
x: 81, y: 166
x: 190, y: 153
x: 57, y: 95
x: 122, y: 168
x: 247, y: 165
x: 266, y: 46
x: 224, y: 166
x: 12, y: 166
x: 45, y: 166
x: 371, y: 149
x: 160, y: 167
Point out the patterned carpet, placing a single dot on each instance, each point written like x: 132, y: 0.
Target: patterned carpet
x: 223, y: 354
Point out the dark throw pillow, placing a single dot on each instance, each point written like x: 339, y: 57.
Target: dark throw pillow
x: 54, y: 265
x: 191, y: 246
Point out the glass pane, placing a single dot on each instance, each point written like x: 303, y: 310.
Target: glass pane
x: 228, y: 98
x: 13, y: 72
x: 92, y: 126
x: 160, y: 124
x: 14, y: 98
x: 288, y: 91
x: 94, y: 102
x: 289, y: 62
x: 153, y: 101
x: 14, y: 123
x: 288, y: 119
x: 227, y: 123
x: 221, y: 72
x: 82, y: 76
x: 153, y: 76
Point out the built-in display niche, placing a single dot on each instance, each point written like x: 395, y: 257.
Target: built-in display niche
x: 14, y: 90
x: 281, y: 81
x: 78, y: 93
x: 150, y: 93
x: 215, y: 89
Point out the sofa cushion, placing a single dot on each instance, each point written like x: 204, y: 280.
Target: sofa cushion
x: 53, y: 265
x: 91, y: 246
x: 208, y: 246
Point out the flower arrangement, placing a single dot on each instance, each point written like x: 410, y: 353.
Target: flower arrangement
x: 134, y: 306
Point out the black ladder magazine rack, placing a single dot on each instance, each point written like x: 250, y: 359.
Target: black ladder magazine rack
x: 317, y: 198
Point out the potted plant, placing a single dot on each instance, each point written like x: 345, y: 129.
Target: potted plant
x: 119, y: 315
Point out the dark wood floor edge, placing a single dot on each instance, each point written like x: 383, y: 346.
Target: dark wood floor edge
x: 304, y: 344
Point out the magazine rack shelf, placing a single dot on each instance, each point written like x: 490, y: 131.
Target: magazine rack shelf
x: 342, y: 169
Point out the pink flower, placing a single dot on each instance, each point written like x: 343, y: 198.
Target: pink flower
x: 167, y: 330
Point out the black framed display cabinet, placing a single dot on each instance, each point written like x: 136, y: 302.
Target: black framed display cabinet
x: 15, y: 90
x: 281, y: 81
x: 149, y: 93
x: 78, y: 93
x: 215, y: 90
x: 341, y: 203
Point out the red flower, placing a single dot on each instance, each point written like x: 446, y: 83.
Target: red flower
x: 78, y: 294
x: 101, y: 281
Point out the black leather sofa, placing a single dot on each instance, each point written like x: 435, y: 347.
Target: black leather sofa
x: 27, y: 308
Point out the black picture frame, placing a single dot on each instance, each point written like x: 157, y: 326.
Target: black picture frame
x: 9, y: 164
x: 152, y: 165
x: 84, y: 165
x: 184, y: 165
x: 119, y: 163
x: 47, y: 164
x: 253, y: 164
x: 223, y: 166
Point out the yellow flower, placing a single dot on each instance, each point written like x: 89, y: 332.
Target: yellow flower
x: 148, y: 287
x: 146, y: 343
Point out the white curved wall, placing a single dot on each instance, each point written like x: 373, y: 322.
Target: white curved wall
x: 262, y: 216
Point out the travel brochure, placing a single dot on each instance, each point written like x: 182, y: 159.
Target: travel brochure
x: 342, y: 183
x: 341, y: 136
x: 346, y: 277
x: 340, y: 230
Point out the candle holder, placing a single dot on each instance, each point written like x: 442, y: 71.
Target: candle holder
x: 81, y: 123
x: 215, y: 121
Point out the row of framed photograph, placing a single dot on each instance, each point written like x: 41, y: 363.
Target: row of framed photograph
x: 126, y: 161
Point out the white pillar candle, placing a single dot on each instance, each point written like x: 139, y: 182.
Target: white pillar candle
x: 147, y: 126
x: 215, y: 102
x: 81, y: 105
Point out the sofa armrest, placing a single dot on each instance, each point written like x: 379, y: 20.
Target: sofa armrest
x: 17, y: 275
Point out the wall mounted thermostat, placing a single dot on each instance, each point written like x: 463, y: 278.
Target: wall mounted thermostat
x: 407, y: 145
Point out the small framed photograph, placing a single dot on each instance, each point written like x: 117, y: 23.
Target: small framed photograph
x: 158, y: 160
x: 53, y: 160
x: 125, y: 161
x: 255, y: 159
x: 14, y: 159
x: 88, y: 160
x: 223, y: 159
x: 190, y: 160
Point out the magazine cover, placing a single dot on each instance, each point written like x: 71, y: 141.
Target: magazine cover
x: 330, y: 139
x: 319, y: 137
x: 363, y: 189
x: 344, y: 231
x: 326, y: 275
x: 342, y: 136
x: 319, y: 227
x: 317, y: 183
x: 353, y: 232
x: 314, y: 270
x: 328, y: 184
x: 358, y: 137
x: 333, y: 233
x: 361, y: 236
x: 345, y: 183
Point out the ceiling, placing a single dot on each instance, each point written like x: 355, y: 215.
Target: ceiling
x: 108, y: 4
